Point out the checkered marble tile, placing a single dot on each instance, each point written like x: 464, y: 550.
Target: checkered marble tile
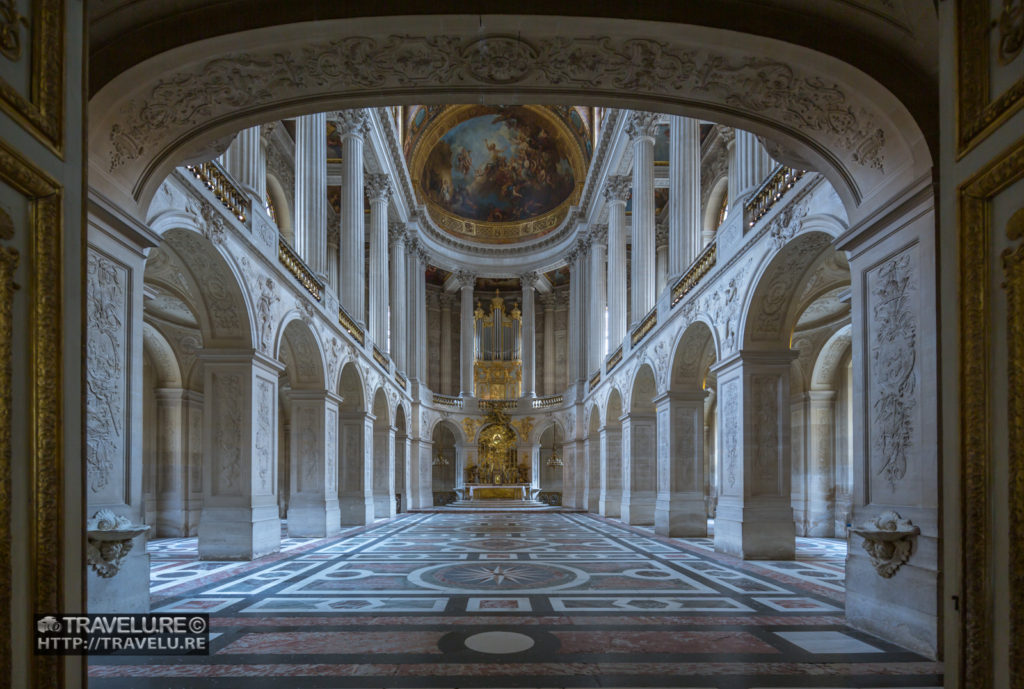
x: 513, y: 599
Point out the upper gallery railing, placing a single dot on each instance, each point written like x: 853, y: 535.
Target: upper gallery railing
x: 704, y: 263
x: 297, y: 267
x: 770, y: 193
x: 217, y: 181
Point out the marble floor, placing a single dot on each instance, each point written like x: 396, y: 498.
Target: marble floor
x: 513, y: 600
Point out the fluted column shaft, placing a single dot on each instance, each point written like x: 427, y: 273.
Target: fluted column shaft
x: 247, y: 163
x: 752, y: 166
x: 641, y: 129
x: 529, y: 329
x: 598, y: 301
x: 446, y: 343
x: 466, y: 284
x: 579, y: 320
x: 399, y: 332
x: 684, y: 222
x: 310, y: 224
x: 413, y: 329
x: 353, y: 126
x: 379, y: 189
x: 548, y: 302
x: 616, y: 193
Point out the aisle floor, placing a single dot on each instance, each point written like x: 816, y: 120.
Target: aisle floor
x: 513, y: 600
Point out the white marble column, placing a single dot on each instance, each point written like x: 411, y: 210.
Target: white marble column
x: 310, y: 218
x: 680, y: 509
x: 466, y: 281
x: 755, y: 517
x: 579, y: 311
x: 421, y: 314
x: 639, y: 469
x: 641, y: 130
x: 661, y: 248
x: 415, y: 327
x: 446, y: 300
x: 240, y: 514
x: 752, y: 166
x: 353, y: 126
x: 378, y: 189
x: 247, y: 163
x: 399, y: 321
x: 548, y: 302
x: 616, y: 194
x: 597, y: 346
x: 313, y: 510
x: 529, y: 333
x: 684, y: 212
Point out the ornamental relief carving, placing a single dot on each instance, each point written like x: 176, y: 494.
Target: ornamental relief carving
x: 775, y: 90
x: 731, y: 432
x: 105, y: 385
x: 227, y: 432
x: 222, y: 300
x: 330, y: 479
x: 893, y: 301
x: 766, y: 429
x: 686, y: 421
x: 264, y: 441
x: 307, y: 458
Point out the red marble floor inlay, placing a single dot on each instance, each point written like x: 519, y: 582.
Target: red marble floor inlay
x: 336, y: 642
x: 661, y: 642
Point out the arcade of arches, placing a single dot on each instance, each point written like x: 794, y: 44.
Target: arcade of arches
x: 400, y: 334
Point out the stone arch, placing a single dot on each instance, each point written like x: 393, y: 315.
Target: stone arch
x: 383, y: 457
x: 550, y: 477
x: 351, y: 388
x: 690, y: 360
x: 639, y: 450
x: 282, y: 208
x: 542, y: 426
x: 151, y: 115
x: 163, y: 357
x: 444, y: 437
x: 298, y: 347
x: 772, y: 308
x: 717, y: 196
x: 210, y: 284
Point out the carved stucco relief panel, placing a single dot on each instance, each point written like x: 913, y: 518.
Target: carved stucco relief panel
x: 226, y: 397
x: 106, y: 388
x: 892, y: 361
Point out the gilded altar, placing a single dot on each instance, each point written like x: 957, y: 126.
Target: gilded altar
x: 497, y: 457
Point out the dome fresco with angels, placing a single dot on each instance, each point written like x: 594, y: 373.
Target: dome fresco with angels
x: 498, y: 173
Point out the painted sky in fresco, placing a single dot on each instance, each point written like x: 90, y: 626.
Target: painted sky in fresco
x: 504, y: 167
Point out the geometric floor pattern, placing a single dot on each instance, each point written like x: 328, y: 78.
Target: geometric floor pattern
x: 513, y: 600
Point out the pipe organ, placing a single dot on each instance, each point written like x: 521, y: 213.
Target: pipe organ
x: 497, y: 344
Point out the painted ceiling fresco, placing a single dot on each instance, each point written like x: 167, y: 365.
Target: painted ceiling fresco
x: 498, y: 167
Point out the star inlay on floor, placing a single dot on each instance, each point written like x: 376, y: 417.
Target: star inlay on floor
x: 513, y: 599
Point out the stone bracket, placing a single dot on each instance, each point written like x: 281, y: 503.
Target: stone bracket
x: 109, y: 540
x: 889, y: 540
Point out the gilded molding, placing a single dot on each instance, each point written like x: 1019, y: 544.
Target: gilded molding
x: 41, y: 110
x: 974, y: 242
x: 1013, y: 275
x: 45, y: 401
x: 978, y: 114
x: 8, y: 264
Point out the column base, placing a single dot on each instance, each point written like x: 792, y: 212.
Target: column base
x: 681, y: 515
x: 239, y: 533
x: 355, y: 510
x: 638, y: 508
x: 611, y: 504
x: 755, y: 529
x: 313, y: 519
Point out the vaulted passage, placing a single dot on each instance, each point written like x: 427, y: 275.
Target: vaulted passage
x: 523, y: 599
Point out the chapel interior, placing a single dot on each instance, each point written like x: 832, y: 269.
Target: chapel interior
x: 447, y: 347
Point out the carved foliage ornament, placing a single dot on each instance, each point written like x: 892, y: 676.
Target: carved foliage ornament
x: 773, y: 89
x: 888, y: 540
x: 893, y: 367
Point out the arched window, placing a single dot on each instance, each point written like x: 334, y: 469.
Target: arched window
x: 723, y: 212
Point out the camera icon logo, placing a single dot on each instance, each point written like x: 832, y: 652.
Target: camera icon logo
x: 48, y: 624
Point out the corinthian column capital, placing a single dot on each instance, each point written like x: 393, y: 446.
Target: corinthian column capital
x: 617, y: 188
x: 641, y: 125
x: 378, y: 187
x: 353, y: 123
